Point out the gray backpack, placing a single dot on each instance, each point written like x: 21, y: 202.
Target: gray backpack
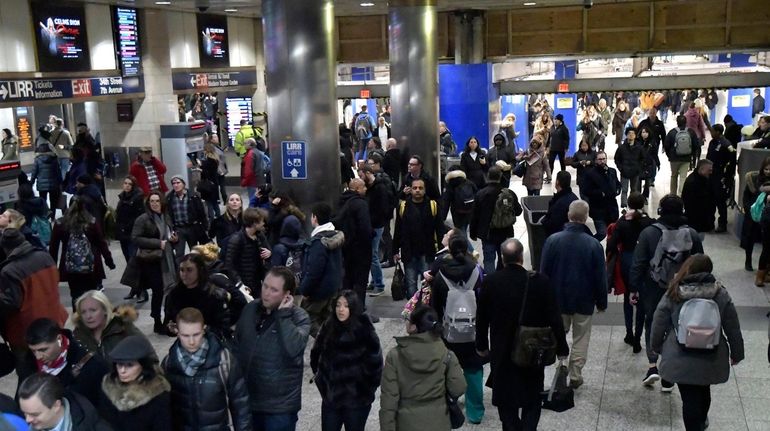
x: 674, y: 247
x: 460, y: 309
x: 682, y: 142
x: 700, y: 324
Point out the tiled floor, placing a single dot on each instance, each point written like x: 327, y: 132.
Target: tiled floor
x: 612, y: 397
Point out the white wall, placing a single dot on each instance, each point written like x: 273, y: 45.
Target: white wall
x: 183, y: 38
x: 100, y: 37
x: 241, y: 41
x: 16, y: 37
x: 259, y: 100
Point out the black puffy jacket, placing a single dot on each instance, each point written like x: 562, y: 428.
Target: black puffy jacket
x: 130, y: 207
x: 630, y: 159
x: 200, y: 402
x: 242, y: 258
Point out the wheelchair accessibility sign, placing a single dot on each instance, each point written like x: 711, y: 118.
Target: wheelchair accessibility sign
x: 294, y: 160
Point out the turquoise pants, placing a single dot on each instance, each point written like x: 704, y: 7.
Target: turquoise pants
x: 474, y: 394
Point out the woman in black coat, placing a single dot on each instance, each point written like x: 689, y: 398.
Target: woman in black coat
x: 473, y: 162
x: 346, y: 360
x: 135, y: 396
x: 208, y: 187
x: 130, y: 207
x: 651, y: 161
x: 458, y: 267
x: 228, y: 223
x: 582, y: 160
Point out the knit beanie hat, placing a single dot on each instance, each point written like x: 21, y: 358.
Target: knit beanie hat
x: 180, y: 178
x: 11, y: 239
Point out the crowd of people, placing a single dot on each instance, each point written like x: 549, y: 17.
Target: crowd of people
x: 243, y: 286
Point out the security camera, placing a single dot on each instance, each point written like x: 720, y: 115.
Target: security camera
x: 203, y: 8
x: 588, y: 4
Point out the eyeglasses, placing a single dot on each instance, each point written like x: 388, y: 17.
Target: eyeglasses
x: 414, y: 164
x: 604, y: 158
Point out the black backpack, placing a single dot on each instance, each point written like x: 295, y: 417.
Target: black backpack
x: 464, y: 198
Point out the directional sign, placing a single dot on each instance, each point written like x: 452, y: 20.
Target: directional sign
x: 294, y: 160
x: 203, y: 80
x: 26, y: 90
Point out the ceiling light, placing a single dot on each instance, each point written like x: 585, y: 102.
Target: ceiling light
x: 367, y: 4
x: 231, y: 10
x: 162, y: 3
x: 530, y: 3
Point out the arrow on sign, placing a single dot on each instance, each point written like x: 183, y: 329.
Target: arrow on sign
x: 3, y: 91
x: 192, y: 81
x: 294, y: 172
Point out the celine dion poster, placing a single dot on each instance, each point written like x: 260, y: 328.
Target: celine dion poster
x: 212, y: 32
x: 60, y: 33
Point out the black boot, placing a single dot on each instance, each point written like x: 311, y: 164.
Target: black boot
x: 131, y: 295
x: 747, y: 266
x: 158, y: 328
x: 629, y: 339
x: 143, y: 297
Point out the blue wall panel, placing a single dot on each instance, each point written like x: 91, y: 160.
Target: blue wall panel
x: 741, y: 114
x: 569, y: 111
x: 465, y: 91
x: 565, y: 69
x: 740, y: 60
x: 517, y: 105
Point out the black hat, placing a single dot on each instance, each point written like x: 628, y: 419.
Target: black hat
x: 85, y: 179
x: 132, y: 348
x: 560, y: 117
x: 11, y: 239
x: 671, y: 204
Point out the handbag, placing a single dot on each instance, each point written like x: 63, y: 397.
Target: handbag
x: 149, y: 255
x: 533, y: 346
x: 520, y: 169
x: 397, y: 285
x: 7, y: 360
x: 560, y: 397
x: 421, y: 296
x: 456, y: 416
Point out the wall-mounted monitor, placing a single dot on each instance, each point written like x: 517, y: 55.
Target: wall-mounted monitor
x: 125, y: 26
x: 237, y: 109
x: 213, y: 47
x: 60, y: 33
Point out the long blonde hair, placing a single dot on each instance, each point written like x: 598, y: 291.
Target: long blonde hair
x: 208, y: 151
x: 15, y: 219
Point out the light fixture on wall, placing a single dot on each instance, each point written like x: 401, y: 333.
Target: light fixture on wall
x: 231, y: 10
x: 162, y: 3
x: 367, y: 4
x: 530, y: 3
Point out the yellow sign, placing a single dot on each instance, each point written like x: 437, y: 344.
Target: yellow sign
x: 741, y: 101
x: 564, y: 103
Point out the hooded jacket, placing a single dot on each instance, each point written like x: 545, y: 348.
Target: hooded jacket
x: 130, y: 207
x: 46, y: 172
x: 142, y: 405
x: 119, y: 327
x: 455, y: 180
x: 322, y: 265
x: 418, y: 373
x: 689, y: 366
x: 354, y: 221
x: 558, y: 207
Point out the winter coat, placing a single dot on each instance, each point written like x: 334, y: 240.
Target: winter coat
x: 119, y: 327
x: 627, y: 231
x: 94, y: 202
x: 31, y: 208
x: 696, y: 124
x: 483, y: 208
x: 378, y: 198
x: 140, y: 173
x: 592, y: 130
x: 392, y: 164
x: 10, y: 148
x: 574, y: 261
x: 657, y: 131
x: 497, y: 317
x: 418, y: 229
x: 629, y: 159
x: 448, y: 145
x: 253, y: 169
x: 29, y: 290
x: 537, y: 165
x: 501, y: 153
x: 670, y: 142
x: 271, y: 349
x: 145, y: 235
x: 431, y: 188
x: 46, y: 172
x: 83, y: 414
x: 690, y: 366
x: 456, y: 271
x: 418, y: 373
x: 130, y: 207
x: 645, y: 249
x: 619, y: 121
x: 454, y: 180
x: 700, y: 202
x: 283, y: 223
x: 601, y: 185
x: 243, y: 260
x: 99, y: 248
x: 210, y: 300
x: 322, y: 265
x: 473, y: 168
x: 651, y: 160
x: 589, y: 157
x: 757, y: 105
x: 197, y: 214
x: 205, y: 401
x: 140, y: 405
x: 347, y: 364
x: 353, y: 220
x: 556, y: 217
x: 559, y: 139
x: 222, y: 227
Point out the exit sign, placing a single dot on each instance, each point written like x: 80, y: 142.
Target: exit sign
x: 563, y: 87
x: 365, y: 94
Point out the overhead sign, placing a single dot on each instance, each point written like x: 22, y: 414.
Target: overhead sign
x: 294, y: 160
x: 564, y: 103
x: 365, y: 94
x: 203, y: 80
x: 237, y: 109
x: 563, y: 87
x: 126, y: 29
x: 23, y: 128
x: 28, y: 90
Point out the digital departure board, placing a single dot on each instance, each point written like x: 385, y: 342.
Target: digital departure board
x: 212, y: 33
x: 60, y: 33
x: 238, y: 108
x: 127, y: 37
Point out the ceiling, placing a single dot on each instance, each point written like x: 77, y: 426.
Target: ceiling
x: 253, y: 8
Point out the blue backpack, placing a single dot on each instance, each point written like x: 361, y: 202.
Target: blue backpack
x: 78, y: 257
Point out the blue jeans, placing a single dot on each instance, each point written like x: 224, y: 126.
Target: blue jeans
x: 354, y: 418
x: 252, y: 191
x: 414, y: 267
x: 64, y: 166
x: 275, y: 422
x: 213, y: 208
x: 128, y: 248
x: 376, y: 270
x: 464, y: 228
x: 491, y: 249
x: 601, y: 229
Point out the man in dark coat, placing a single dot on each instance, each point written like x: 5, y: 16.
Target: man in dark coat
x: 699, y: 198
x: 757, y: 105
x: 378, y: 197
x: 559, y: 142
x: 574, y: 261
x: 354, y: 221
x: 416, y: 171
x: 483, y: 208
x: 188, y: 216
x: 501, y: 152
x: 42, y: 399
x: 556, y: 217
x: 601, y: 185
x: 722, y: 153
x: 55, y: 351
x: 321, y: 266
x: 393, y: 161
x: 500, y: 301
x: 270, y: 340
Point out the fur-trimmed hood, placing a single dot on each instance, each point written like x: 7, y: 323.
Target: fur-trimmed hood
x: 332, y: 239
x: 702, y: 285
x: 454, y: 174
x: 128, y: 397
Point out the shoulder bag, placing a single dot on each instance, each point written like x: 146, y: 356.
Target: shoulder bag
x: 456, y: 416
x: 534, y: 346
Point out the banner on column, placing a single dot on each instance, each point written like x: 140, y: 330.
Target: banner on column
x: 294, y: 160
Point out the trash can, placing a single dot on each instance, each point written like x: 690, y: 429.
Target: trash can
x: 535, y: 207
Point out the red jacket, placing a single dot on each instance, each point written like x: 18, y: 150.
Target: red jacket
x: 138, y: 171
x: 29, y: 290
x: 252, y: 169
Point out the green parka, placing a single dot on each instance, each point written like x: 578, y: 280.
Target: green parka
x: 415, y: 380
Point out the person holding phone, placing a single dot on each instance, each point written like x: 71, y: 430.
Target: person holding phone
x: 270, y: 340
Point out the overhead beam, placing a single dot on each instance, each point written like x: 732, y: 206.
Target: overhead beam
x: 726, y: 80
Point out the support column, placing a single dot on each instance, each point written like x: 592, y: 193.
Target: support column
x: 469, y: 37
x: 300, y: 79
x: 413, y: 78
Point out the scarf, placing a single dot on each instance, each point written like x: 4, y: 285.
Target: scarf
x: 190, y: 362
x: 58, y: 364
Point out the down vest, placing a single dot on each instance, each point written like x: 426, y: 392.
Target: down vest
x: 201, y: 401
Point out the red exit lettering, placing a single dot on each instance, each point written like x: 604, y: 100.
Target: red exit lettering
x: 201, y: 80
x: 81, y: 87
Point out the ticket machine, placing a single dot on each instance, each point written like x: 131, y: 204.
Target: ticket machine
x: 178, y: 142
x: 9, y: 181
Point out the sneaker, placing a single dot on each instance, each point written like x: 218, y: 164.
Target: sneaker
x: 651, y: 377
x: 377, y: 291
x: 370, y: 287
x: 629, y: 339
x: 637, y: 346
x: 666, y: 386
x: 574, y: 384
